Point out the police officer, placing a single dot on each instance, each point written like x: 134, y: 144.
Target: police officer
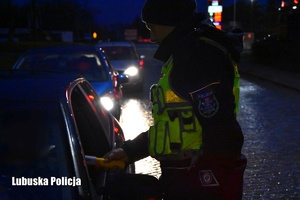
x: 195, y: 134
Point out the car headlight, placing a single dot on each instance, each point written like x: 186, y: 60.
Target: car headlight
x: 107, y: 103
x: 131, y: 71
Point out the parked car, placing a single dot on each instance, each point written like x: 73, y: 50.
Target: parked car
x: 48, y: 123
x: 125, y: 59
x: 85, y: 60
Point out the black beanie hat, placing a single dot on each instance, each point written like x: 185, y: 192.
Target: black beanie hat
x: 168, y: 12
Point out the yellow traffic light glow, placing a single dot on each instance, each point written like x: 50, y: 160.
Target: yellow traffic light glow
x: 94, y: 35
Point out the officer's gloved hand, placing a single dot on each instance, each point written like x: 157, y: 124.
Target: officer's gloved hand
x: 116, y: 154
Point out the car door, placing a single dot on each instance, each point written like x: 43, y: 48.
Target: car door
x: 94, y: 129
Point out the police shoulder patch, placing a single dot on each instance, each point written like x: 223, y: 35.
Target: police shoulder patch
x: 208, y: 104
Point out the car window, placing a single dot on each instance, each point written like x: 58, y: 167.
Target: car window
x: 87, y: 64
x: 93, y: 138
x: 33, y: 143
x: 92, y: 134
x: 102, y: 115
x: 120, y: 52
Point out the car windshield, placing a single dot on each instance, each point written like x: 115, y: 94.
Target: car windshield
x: 87, y: 64
x: 120, y: 52
x: 32, y: 145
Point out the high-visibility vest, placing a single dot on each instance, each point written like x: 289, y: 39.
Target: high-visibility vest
x: 177, y: 132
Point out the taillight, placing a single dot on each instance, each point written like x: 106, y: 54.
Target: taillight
x: 116, y: 93
x: 115, y: 81
x: 141, y: 63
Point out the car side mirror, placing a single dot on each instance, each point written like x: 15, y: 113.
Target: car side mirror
x: 122, y: 78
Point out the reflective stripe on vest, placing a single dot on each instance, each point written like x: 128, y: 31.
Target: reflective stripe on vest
x: 176, y: 130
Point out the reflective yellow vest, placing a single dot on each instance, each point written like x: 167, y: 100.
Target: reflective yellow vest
x: 177, y: 133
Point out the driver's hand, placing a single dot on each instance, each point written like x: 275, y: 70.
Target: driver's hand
x: 116, y: 154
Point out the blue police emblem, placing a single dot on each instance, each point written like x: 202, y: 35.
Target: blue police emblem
x: 208, y: 104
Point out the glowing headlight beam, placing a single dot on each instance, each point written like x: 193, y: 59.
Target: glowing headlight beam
x: 107, y: 103
x: 131, y: 71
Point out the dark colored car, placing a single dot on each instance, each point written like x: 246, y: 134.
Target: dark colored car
x: 125, y: 59
x: 82, y: 59
x: 48, y: 123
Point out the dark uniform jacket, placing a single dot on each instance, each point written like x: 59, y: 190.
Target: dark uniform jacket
x: 196, y: 65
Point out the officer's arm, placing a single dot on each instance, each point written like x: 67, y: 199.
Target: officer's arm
x: 137, y: 148
x: 206, y: 80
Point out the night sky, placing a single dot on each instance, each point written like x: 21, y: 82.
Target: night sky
x: 125, y: 11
